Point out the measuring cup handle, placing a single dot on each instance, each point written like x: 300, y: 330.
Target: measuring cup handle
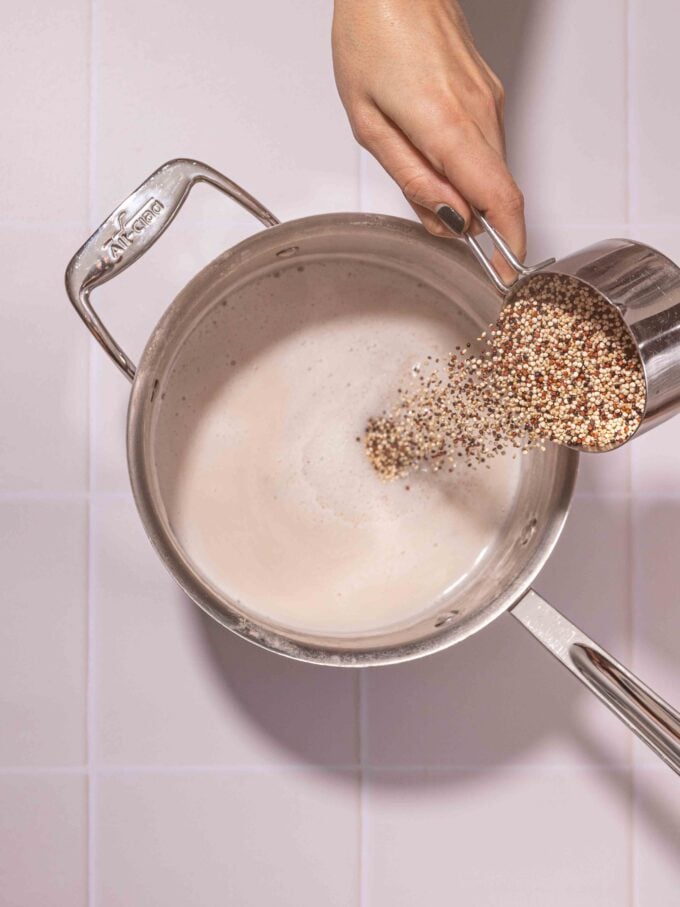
x: 653, y: 720
x: 453, y: 221
x: 134, y: 227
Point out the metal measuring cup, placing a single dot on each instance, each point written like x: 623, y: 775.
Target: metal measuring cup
x: 641, y: 283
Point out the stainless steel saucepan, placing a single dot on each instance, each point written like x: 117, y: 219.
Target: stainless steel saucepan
x: 388, y: 246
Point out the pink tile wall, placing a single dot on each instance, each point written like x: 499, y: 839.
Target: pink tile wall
x: 223, y: 837
x: 512, y: 837
x: 146, y: 756
x: 44, y: 834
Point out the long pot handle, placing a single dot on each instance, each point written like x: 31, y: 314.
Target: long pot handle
x: 653, y: 720
x: 130, y: 230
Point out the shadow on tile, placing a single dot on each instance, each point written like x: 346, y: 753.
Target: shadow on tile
x: 308, y: 710
x: 657, y: 815
x: 496, y: 699
x: 656, y: 540
x: 499, y: 698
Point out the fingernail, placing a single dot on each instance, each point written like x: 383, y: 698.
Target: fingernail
x: 451, y: 218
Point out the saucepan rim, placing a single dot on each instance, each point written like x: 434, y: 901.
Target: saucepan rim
x: 294, y: 644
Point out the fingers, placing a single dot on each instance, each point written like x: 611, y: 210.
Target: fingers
x: 431, y: 222
x: 457, y: 148
x: 460, y: 166
x: 456, y: 224
x: 482, y: 176
x: 479, y: 172
x: 423, y: 186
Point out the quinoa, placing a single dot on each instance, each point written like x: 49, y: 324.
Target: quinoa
x: 558, y: 366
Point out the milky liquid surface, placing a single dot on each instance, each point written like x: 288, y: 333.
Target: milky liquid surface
x: 264, y: 483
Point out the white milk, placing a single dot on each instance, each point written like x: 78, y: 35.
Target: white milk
x: 265, y: 485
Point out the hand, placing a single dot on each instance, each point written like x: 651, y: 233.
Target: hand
x: 421, y: 99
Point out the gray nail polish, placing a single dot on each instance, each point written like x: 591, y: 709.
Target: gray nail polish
x: 451, y: 218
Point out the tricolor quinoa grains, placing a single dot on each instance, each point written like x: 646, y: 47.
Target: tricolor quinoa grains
x: 559, y: 365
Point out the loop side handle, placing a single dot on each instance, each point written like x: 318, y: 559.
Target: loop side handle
x: 444, y: 213
x: 654, y: 721
x: 130, y: 230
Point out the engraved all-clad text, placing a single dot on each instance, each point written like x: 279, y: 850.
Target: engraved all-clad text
x: 130, y: 227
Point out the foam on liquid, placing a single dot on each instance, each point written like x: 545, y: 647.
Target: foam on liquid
x: 266, y: 487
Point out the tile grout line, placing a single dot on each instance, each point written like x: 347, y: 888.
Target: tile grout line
x: 630, y: 537
x: 245, y: 768
x: 633, y: 209
x: 633, y: 576
x: 46, y: 770
x: 91, y: 785
x: 90, y: 706
x: 630, y: 209
x: 362, y: 718
x: 30, y: 495
x: 405, y: 769
x: 626, y: 101
x: 44, y: 496
x: 630, y: 608
x: 627, y: 178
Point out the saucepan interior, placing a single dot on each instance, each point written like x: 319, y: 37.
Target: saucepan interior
x: 392, y: 249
